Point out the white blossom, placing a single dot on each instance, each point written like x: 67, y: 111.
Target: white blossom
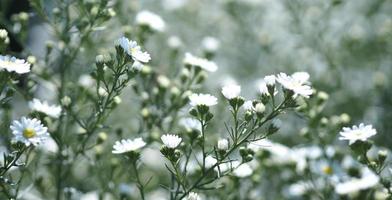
x: 269, y: 80
x: 193, y: 196
x: 133, y: 49
x: 128, y: 145
x: 170, y: 140
x: 361, y: 132
x: 367, y: 180
x: 231, y: 91
x: 190, y: 124
x: 297, y: 85
x: 243, y: 170
x: 200, y: 62
x: 202, y: 99
x: 43, y: 107
x: 29, y: 131
x: 210, y: 44
x: 13, y: 64
x: 151, y: 20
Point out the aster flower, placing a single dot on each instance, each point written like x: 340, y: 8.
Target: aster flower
x: 133, y: 49
x: 202, y: 99
x: 361, y: 132
x: 29, y: 131
x: 128, y: 145
x: 302, y: 77
x: 243, y: 170
x: 269, y: 80
x: 367, y: 180
x: 231, y: 91
x: 200, y: 62
x: 296, y: 85
x: 13, y: 64
x: 151, y: 20
x: 248, y: 106
x: 171, y: 141
x: 210, y: 44
x: 43, y: 107
x: 193, y: 196
x: 190, y: 124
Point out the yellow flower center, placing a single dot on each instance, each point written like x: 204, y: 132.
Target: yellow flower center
x: 327, y: 170
x: 29, y: 133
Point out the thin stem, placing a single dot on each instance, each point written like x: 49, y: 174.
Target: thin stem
x: 139, y: 183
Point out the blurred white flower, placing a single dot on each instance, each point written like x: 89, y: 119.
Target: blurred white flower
x: 170, y: 140
x: 43, y: 107
x: 193, y: 196
x: 133, y: 49
x: 151, y: 20
x: 259, y: 107
x: 13, y: 64
x: 202, y: 99
x: 231, y: 91
x: 137, y: 66
x: 190, y: 124
x: 269, y: 80
x: 200, y: 62
x: 29, y: 131
x: 243, y: 170
x: 86, y: 81
x: 297, y: 85
x: 248, y: 106
x: 302, y: 77
x: 367, y: 180
x: 210, y: 44
x: 128, y: 145
x: 223, y: 144
x: 174, y: 42
x: 361, y: 132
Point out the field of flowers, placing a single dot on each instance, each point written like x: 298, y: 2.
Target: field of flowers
x: 195, y: 99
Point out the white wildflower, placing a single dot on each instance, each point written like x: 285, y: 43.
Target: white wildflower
x: 231, y: 91
x: 193, y: 196
x: 29, y: 131
x: 133, y: 49
x: 200, y: 62
x: 297, y: 85
x: 151, y: 20
x: 13, y: 64
x: 171, y: 141
x: 210, y: 44
x: 361, y: 132
x: 128, y: 145
x: 223, y: 144
x: 269, y: 80
x: 202, y: 99
x: 43, y: 107
x: 368, y: 180
x: 243, y: 170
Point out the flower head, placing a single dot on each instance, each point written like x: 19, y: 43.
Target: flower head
x: 210, y: 44
x: 13, y: 64
x: 223, y: 144
x: 151, y: 20
x: 43, y: 107
x: 29, y: 131
x: 269, y: 80
x: 361, y: 132
x: 295, y: 84
x: 200, y: 62
x: 193, y: 196
x: 243, y: 170
x: 128, y: 145
x: 171, y: 141
x: 231, y: 91
x: 202, y: 99
x: 133, y: 49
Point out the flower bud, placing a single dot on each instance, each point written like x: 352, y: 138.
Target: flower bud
x: 223, y: 144
x: 259, y: 108
x: 382, y: 155
x: 66, y: 101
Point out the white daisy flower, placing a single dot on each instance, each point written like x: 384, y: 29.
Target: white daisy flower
x: 128, y: 145
x: 133, y: 49
x: 297, y: 85
x: 43, y: 107
x: 243, y: 170
x: 248, y: 106
x: 302, y: 77
x: 29, y: 131
x: 13, y: 64
x: 202, y: 99
x: 193, y: 196
x: 367, y: 180
x: 361, y: 132
x: 223, y: 144
x: 269, y: 80
x: 171, y: 141
x: 231, y: 91
x: 151, y: 20
x: 263, y: 89
x: 200, y: 62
